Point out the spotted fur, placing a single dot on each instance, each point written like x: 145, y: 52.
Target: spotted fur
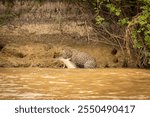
x: 80, y: 59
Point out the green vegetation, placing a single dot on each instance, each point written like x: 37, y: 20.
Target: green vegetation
x: 133, y: 17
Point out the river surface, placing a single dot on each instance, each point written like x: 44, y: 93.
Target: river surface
x: 45, y: 83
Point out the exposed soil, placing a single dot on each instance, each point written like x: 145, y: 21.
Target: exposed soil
x: 41, y: 51
x: 37, y: 35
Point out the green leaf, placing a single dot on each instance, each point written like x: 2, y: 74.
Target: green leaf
x: 111, y: 7
x: 123, y: 21
x: 118, y: 11
x: 99, y: 19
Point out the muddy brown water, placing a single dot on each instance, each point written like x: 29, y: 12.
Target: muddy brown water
x: 45, y: 83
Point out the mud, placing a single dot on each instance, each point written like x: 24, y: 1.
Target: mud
x: 40, y: 54
x: 36, y: 36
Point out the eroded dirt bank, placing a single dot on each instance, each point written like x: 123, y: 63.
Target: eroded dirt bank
x: 35, y: 36
x: 43, y: 52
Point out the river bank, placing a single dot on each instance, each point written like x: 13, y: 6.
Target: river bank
x: 29, y: 30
